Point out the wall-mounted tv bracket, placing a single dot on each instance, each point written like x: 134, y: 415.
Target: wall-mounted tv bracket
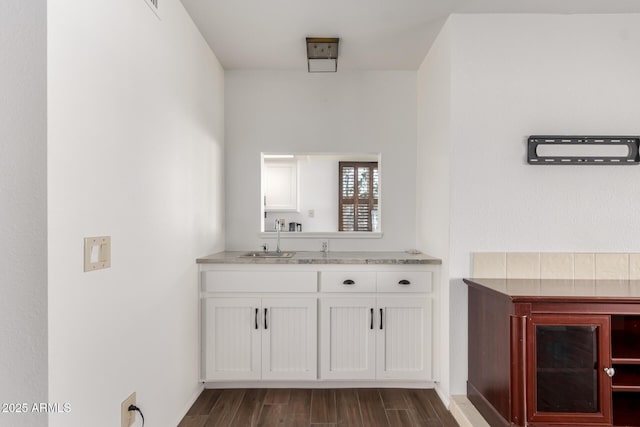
x: 599, y: 150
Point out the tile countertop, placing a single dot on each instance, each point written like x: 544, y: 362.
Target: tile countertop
x: 305, y: 257
x: 561, y: 289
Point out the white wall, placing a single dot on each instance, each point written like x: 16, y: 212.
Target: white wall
x: 135, y: 152
x: 349, y: 111
x: 433, y: 177
x: 517, y: 75
x: 23, y: 212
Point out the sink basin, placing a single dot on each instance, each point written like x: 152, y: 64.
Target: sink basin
x: 271, y: 254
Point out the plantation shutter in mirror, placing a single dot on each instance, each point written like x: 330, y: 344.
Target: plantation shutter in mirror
x: 358, y: 190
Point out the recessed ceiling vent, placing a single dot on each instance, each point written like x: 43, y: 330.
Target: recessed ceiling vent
x: 322, y: 54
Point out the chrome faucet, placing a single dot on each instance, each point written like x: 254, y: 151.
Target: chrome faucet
x: 278, y: 235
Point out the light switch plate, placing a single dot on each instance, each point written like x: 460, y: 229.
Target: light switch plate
x: 97, y: 253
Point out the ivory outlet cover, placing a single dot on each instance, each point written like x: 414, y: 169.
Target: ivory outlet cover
x: 128, y: 417
x: 97, y: 253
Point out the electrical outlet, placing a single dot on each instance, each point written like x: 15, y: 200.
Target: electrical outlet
x: 128, y: 417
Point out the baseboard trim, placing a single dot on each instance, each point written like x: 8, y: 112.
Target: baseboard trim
x: 321, y: 384
x: 445, y: 399
x: 465, y: 413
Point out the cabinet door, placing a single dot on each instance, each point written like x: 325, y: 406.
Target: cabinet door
x: 289, y: 338
x: 232, y: 338
x: 566, y: 359
x: 347, y: 328
x: 280, y: 185
x: 404, y: 341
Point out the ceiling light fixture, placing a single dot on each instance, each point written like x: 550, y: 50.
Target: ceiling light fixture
x: 322, y: 54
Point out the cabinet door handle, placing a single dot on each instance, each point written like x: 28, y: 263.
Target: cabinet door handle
x: 257, y: 317
x: 404, y: 282
x: 380, y: 318
x: 610, y: 371
x: 265, y: 319
x: 348, y: 282
x: 371, y: 324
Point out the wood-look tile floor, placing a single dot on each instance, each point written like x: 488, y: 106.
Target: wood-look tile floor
x: 318, y: 407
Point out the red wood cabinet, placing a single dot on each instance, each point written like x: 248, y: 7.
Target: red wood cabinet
x: 567, y: 356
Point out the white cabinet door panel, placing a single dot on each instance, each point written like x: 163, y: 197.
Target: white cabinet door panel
x: 280, y: 185
x: 404, y: 341
x: 232, y: 338
x: 348, y: 338
x: 289, y: 340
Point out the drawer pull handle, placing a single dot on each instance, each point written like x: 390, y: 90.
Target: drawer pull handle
x: 380, y: 318
x: 404, y: 282
x: 265, y: 319
x: 348, y: 282
x: 371, y: 325
x: 257, y: 318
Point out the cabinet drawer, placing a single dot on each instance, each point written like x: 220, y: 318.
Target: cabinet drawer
x: 411, y: 281
x: 340, y: 281
x: 259, y: 281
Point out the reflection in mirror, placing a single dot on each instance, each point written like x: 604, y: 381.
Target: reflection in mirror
x: 321, y: 192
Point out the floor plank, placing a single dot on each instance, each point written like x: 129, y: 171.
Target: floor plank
x: 277, y: 396
x: 299, y: 408
x: 323, y: 406
x: 348, y: 408
x: 193, y: 421
x: 373, y: 414
x: 421, y: 410
x: 249, y: 410
x: 225, y: 408
x: 272, y: 415
x: 393, y: 398
x: 399, y: 418
x: 443, y: 414
x: 205, y: 402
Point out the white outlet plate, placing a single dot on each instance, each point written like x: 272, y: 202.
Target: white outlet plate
x: 128, y: 417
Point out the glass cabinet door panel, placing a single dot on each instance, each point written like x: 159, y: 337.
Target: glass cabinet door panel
x: 566, y: 358
x: 566, y: 368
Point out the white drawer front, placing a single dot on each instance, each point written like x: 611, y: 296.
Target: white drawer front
x: 411, y: 281
x: 341, y: 281
x: 259, y: 281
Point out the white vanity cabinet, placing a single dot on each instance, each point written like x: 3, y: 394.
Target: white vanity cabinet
x: 260, y: 338
x: 252, y: 335
x: 309, y: 323
x: 385, y: 335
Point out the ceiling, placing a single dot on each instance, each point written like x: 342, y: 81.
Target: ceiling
x: 374, y: 34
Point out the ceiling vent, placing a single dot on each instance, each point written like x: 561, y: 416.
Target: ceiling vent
x: 322, y: 54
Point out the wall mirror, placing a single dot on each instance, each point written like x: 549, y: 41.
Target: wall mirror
x: 311, y: 194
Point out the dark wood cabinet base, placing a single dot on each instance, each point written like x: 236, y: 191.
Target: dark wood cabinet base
x: 554, y: 353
